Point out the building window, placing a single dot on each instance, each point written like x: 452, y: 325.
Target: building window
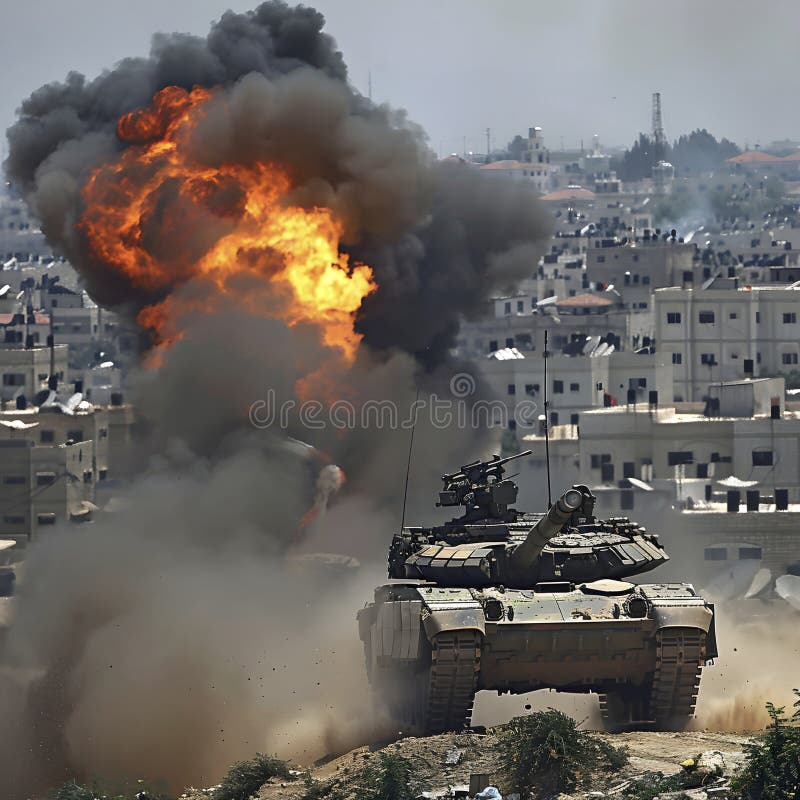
x: 733, y: 315
x: 46, y: 518
x: 512, y: 388
x: 493, y: 346
x: 677, y: 358
x: 716, y: 554
x: 706, y: 318
x: 788, y: 358
x: 14, y: 480
x: 507, y: 309
x: 558, y: 387
x: 645, y: 280
x: 573, y: 419
x: 101, y: 474
x: 510, y: 342
x: 673, y: 317
x: 87, y: 476
x: 76, y: 435
x: 790, y: 318
x: 601, y: 259
x: 675, y: 457
x: 708, y: 359
x: 531, y: 389
x: 598, y: 459
x: 758, y: 317
x: 14, y: 519
x: 47, y: 437
x: 45, y: 478
x: 749, y: 553
x: 553, y: 418
x: 574, y: 387
x: 628, y: 469
x: 762, y: 458
x: 626, y: 500
x: 520, y: 306
x: 13, y: 379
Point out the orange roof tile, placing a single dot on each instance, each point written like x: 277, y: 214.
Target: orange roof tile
x: 751, y: 156
x: 585, y: 299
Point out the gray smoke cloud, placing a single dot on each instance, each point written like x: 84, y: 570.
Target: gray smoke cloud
x: 179, y: 635
x: 432, y: 233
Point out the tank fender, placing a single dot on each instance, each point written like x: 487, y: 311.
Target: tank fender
x: 470, y: 619
x: 450, y: 609
x: 698, y: 616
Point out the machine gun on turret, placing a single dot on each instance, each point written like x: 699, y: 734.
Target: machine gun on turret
x: 481, y: 489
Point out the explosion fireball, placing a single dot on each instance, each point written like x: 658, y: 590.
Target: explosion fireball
x: 220, y: 222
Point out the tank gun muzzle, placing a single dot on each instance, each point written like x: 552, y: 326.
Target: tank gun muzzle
x: 546, y: 528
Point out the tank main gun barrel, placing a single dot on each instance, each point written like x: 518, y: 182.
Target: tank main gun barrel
x: 546, y: 528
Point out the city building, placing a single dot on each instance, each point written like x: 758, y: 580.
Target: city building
x: 727, y: 332
x: 25, y: 371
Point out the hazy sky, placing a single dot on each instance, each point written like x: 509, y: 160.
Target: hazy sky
x: 575, y: 67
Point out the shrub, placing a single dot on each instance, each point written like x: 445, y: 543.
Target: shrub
x: 772, y: 769
x: 245, y: 778
x: 545, y: 753
x: 73, y: 791
x: 388, y: 780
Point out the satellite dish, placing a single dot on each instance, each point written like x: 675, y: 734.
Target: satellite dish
x: 761, y: 580
x: 640, y: 484
x: 788, y: 587
x: 734, y: 581
x: 591, y: 345
x: 72, y: 403
x: 547, y: 301
x: 44, y: 397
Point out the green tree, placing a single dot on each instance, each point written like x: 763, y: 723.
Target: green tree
x: 700, y: 152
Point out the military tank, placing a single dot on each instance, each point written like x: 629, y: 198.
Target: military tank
x: 505, y: 600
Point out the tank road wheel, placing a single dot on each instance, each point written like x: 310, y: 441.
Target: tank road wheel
x: 436, y: 695
x: 680, y: 655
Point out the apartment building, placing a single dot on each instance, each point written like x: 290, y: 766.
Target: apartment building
x: 25, y: 371
x: 727, y: 332
x: 575, y: 383
x: 636, y: 267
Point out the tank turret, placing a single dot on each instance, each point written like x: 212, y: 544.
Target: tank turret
x: 492, y: 543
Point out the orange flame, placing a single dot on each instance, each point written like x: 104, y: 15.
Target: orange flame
x: 160, y: 218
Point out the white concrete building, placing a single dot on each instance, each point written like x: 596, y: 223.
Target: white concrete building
x: 729, y: 333
x: 24, y: 372
x: 576, y: 383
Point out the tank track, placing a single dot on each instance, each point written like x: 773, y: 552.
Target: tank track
x: 453, y: 680
x: 668, y: 700
x: 680, y: 655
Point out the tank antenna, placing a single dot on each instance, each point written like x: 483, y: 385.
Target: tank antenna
x: 547, y: 426
x: 408, y: 465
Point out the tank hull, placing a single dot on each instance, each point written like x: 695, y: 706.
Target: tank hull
x: 640, y: 647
